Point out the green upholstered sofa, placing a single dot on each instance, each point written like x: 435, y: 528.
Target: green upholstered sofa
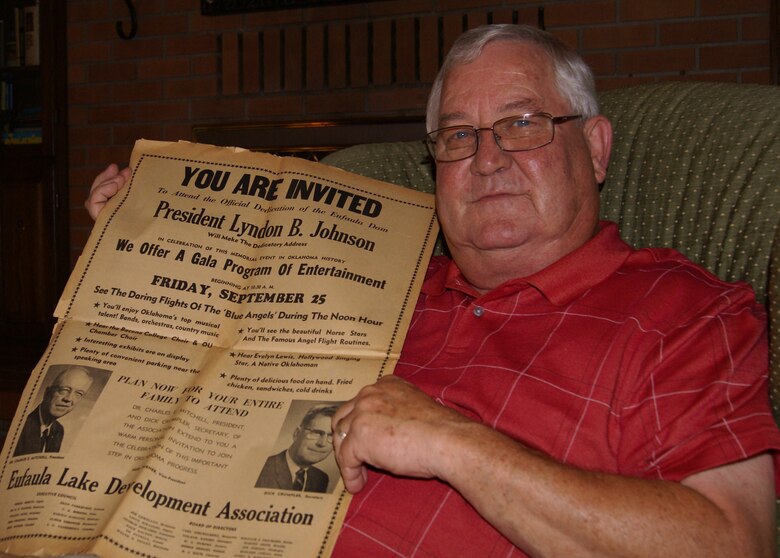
x: 695, y: 166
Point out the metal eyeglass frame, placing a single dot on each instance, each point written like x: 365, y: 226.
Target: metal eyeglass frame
x: 430, y: 141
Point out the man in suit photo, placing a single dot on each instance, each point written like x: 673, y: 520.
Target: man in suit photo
x: 42, y: 432
x: 293, y: 468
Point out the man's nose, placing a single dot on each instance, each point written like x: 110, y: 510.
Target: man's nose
x: 489, y: 156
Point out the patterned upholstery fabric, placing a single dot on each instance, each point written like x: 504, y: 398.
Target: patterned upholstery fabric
x: 695, y: 167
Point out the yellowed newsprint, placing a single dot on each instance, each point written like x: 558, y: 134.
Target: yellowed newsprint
x: 222, y: 295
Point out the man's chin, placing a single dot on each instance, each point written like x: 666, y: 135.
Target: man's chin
x: 497, y: 243
x: 493, y: 234
x: 314, y: 459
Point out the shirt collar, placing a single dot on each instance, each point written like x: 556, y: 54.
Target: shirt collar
x: 560, y: 282
x: 44, y: 427
x: 292, y: 464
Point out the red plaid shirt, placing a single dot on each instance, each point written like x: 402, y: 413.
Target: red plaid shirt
x: 635, y: 362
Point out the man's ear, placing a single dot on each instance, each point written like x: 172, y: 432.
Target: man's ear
x: 598, y: 136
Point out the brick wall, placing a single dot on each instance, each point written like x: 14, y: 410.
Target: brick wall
x: 371, y: 58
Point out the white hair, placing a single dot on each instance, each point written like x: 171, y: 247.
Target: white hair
x: 573, y: 78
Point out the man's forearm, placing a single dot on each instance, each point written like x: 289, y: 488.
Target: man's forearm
x: 549, y: 509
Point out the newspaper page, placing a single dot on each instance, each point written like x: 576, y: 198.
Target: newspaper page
x: 225, y: 303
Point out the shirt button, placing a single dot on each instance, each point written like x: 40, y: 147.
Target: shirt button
x: 478, y: 311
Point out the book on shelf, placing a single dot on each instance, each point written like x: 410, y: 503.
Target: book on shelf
x: 23, y: 136
x: 11, y: 52
x: 6, y: 95
x: 32, y: 40
x: 2, y: 41
x: 22, y: 45
x: 15, y: 52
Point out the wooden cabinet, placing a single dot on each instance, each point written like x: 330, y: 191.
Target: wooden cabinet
x: 34, y: 242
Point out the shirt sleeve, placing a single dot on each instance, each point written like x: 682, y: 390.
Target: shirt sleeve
x: 702, y: 398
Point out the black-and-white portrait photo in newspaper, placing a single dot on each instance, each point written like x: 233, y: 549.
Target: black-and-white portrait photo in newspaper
x: 67, y: 395
x: 302, y: 459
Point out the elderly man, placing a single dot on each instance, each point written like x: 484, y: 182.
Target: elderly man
x: 42, y: 432
x: 559, y: 393
x: 293, y: 469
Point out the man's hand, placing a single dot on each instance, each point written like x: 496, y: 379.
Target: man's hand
x: 104, y: 187
x: 393, y: 426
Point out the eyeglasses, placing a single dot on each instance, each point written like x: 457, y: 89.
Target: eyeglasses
x: 64, y: 391
x: 514, y: 133
x: 313, y: 434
